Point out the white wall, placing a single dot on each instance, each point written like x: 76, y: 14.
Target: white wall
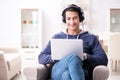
x: 10, y: 22
x: 99, y: 14
x: 10, y: 19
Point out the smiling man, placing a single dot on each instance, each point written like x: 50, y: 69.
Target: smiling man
x: 72, y: 67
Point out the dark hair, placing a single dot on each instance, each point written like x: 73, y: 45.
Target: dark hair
x: 75, y: 8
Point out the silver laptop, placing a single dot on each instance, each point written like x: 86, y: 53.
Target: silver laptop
x: 62, y: 47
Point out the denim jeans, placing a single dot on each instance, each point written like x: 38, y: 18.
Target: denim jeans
x: 68, y: 68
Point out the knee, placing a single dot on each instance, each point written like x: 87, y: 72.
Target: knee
x: 66, y: 76
x: 74, y: 59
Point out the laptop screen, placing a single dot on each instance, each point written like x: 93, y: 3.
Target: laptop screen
x: 62, y: 47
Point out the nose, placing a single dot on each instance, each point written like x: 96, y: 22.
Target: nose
x: 71, y: 21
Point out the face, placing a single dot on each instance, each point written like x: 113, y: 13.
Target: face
x: 72, y: 20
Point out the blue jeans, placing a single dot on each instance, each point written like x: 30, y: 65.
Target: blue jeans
x: 68, y: 68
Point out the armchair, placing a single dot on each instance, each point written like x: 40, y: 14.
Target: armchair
x: 10, y: 65
x: 31, y: 73
x: 100, y: 72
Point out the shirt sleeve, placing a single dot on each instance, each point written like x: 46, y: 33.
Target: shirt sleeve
x: 98, y: 56
x: 45, y: 56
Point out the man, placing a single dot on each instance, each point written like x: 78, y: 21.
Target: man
x: 93, y: 53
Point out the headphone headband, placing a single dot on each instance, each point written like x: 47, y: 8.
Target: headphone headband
x: 75, y: 8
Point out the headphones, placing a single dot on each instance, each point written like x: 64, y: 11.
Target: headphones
x: 75, y: 8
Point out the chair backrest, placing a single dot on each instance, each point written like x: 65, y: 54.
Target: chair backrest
x: 9, y: 50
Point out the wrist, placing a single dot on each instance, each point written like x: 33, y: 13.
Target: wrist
x: 85, y: 56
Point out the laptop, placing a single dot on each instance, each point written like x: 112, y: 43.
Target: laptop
x: 63, y: 47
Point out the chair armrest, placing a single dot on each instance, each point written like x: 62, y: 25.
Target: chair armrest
x: 100, y: 72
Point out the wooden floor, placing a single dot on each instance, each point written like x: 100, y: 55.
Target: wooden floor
x: 113, y: 76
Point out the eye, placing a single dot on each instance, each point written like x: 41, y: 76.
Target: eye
x: 75, y: 18
x: 67, y: 18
